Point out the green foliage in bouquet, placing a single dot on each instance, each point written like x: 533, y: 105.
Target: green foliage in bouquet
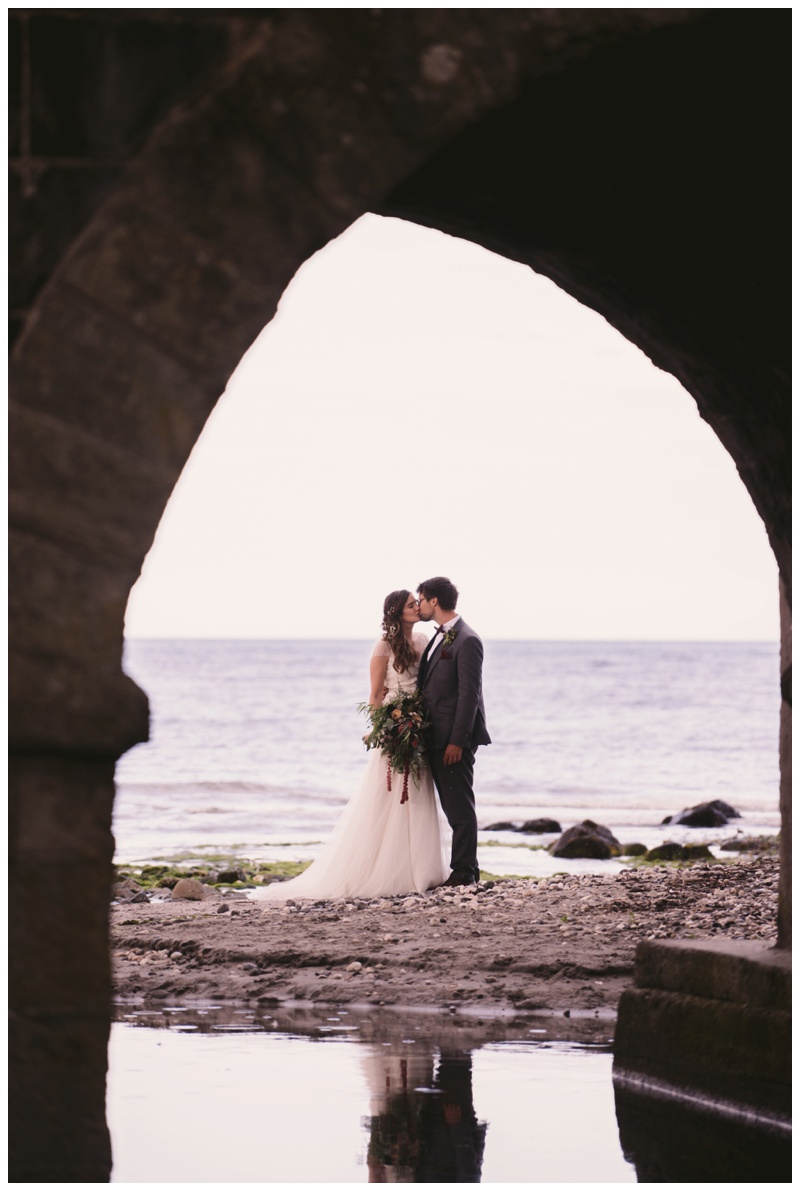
x: 398, y: 730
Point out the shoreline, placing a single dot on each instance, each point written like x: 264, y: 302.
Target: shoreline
x: 564, y: 943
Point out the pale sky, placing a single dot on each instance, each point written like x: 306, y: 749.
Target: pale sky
x: 420, y: 406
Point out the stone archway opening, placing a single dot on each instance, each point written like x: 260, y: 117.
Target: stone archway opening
x: 389, y: 329
x: 317, y: 431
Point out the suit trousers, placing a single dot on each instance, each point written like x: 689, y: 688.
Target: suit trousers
x: 454, y: 786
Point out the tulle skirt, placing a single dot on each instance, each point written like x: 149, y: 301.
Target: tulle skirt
x: 380, y: 846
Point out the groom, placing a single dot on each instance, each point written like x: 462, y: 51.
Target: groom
x: 450, y: 681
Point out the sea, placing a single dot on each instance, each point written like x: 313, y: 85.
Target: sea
x: 256, y: 745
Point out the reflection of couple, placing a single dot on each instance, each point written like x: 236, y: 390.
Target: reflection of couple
x: 423, y: 1127
x: 384, y: 844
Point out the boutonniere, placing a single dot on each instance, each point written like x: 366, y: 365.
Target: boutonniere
x: 448, y: 639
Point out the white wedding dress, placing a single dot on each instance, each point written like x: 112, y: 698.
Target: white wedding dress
x: 380, y: 846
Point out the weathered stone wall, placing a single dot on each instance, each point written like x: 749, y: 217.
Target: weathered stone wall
x: 171, y: 171
x: 86, y: 89
x: 61, y: 849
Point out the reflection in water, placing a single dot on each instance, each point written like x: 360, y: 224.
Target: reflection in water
x: 422, y: 1127
x: 673, y: 1141
x: 279, y: 1094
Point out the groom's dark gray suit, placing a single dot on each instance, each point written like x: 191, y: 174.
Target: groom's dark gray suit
x: 450, y: 679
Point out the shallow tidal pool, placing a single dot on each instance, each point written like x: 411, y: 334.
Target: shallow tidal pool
x: 212, y: 1095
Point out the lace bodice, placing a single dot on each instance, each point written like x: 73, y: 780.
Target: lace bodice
x: 399, y: 683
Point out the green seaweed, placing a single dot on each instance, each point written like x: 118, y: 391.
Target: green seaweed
x: 640, y: 862
x: 150, y: 876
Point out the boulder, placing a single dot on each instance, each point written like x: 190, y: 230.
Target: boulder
x: 667, y: 851
x: 586, y: 841
x: 634, y: 850
x: 230, y: 876
x: 529, y: 827
x: 540, y: 826
x: 705, y: 814
x: 125, y: 889
x: 673, y: 851
x: 725, y: 807
x: 187, y: 889
x: 758, y: 843
x: 697, y: 852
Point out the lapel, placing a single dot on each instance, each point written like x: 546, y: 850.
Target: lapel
x: 434, y: 661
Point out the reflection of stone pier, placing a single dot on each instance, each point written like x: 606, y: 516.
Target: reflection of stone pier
x: 702, y: 1063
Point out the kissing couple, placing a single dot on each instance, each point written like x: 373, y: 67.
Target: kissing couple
x: 427, y: 715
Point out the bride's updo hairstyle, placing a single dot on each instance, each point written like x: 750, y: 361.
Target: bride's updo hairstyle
x: 401, y: 647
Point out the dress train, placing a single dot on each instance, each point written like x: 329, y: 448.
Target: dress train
x: 380, y: 847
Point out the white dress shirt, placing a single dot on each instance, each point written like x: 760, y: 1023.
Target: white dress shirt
x: 445, y: 629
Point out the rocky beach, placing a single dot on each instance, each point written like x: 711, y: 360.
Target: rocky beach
x: 564, y: 944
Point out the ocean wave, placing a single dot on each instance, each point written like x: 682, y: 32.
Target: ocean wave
x: 199, y: 787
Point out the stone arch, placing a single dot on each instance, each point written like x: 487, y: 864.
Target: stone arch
x: 306, y: 121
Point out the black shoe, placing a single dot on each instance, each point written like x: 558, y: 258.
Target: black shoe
x: 456, y: 878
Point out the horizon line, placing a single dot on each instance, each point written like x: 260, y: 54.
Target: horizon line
x: 532, y: 640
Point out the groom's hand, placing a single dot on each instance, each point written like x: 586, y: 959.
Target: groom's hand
x: 452, y: 754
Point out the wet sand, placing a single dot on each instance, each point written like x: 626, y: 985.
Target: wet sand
x: 565, y: 943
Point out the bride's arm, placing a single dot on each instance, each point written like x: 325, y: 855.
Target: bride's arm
x: 377, y: 679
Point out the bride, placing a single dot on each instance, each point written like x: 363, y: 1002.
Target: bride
x: 381, y: 846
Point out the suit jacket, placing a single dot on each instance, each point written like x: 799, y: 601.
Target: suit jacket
x: 452, y: 691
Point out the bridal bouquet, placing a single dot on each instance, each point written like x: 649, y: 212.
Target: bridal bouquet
x: 398, y: 730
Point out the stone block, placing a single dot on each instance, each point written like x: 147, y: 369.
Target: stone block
x: 59, y: 974
x: 745, y: 973
x: 257, y: 213
x: 172, y: 287
x: 57, y: 1123
x: 711, y: 1021
x: 329, y: 132
x: 61, y: 850
x: 64, y: 606
x: 44, y: 220
x: 98, y: 500
x: 66, y: 686
x: 14, y: 60
x: 716, y: 1048
x: 85, y: 367
x: 100, y: 83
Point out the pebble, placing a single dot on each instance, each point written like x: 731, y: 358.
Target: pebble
x: 604, y: 913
